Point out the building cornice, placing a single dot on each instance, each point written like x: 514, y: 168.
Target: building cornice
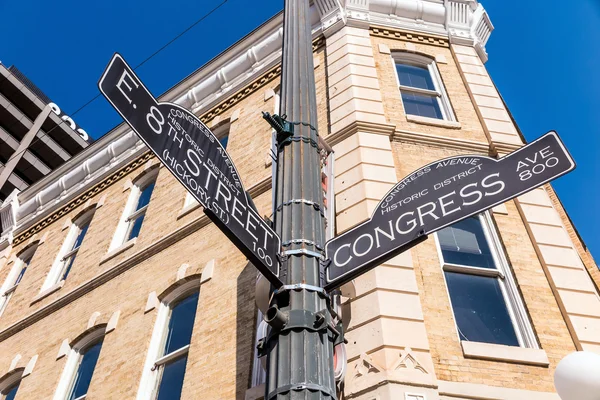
x: 247, y: 66
x: 441, y: 141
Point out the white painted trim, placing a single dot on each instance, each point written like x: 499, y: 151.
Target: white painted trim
x: 9, y: 286
x: 486, y: 392
x: 119, y: 250
x: 497, y: 352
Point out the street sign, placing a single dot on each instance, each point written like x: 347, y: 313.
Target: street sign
x: 193, y: 154
x: 438, y: 195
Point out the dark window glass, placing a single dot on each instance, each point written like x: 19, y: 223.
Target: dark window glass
x: 224, y: 141
x: 136, y: 227
x: 464, y: 243
x: 81, y: 235
x: 85, y: 371
x: 171, y: 382
x: 480, y: 310
x: 181, y: 324
x: 26, y: 263
x: 422, y: 105
x: 68, y: 265
x: 12, y: 392
x: 145, y: 196
x: 417, y: 77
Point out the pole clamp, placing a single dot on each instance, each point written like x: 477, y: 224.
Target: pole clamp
x: 304, y: 386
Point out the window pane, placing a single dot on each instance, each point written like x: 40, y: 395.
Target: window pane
x: 480, y: 310
x: 10, y: 395
x: 413, y: 76
x: 172, y: 380
x: 81, y: 235
x: 68, y: 265
x: 145, y: 196
x: 422, y: 105
x: 21, y: 274
x: 464, y: 243
x: 85, y: 371
x: 181, y: 324
x: 224, y: 141
x: 136, y: 226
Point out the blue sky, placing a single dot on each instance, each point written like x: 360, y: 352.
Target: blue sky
x: 544, y: 59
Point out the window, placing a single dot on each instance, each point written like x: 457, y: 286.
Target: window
x: 259, y: 374
x: 68, y: 253
x: 85, y: 370
x: 222, y: 133
x: 15, y: 276
x: 169, y: 347
x: 135, y: 210
x: 421, y: 87
x: 79, y: 369
x: 136, y: 218
x: 487, y: 306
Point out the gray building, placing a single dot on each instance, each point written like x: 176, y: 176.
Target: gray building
x: 35, y: 136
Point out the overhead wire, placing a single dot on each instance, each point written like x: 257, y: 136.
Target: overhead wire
x: 46, y: 134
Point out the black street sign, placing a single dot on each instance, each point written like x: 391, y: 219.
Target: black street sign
x: 441, y: 194
x: 193, y: 154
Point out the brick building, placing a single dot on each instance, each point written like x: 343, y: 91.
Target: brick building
x: 115, y: 285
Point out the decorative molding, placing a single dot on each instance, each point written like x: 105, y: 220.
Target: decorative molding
x: 151, y: 303
x: 417, y: 119
x: 107, y: 275
x: 408, y: 361
x: 480, y: 391
x: 93, y: 319
x: 366, y: 365
x: 207, y: 272
x: 355, y: 127
x: 441, y: 141
x: 409, y: 36
x: 100, y: 187
x: 119, y: 250
x: 181, y: 271
x: 501, y: 149
x: 64, y: 349
x: 111, y: 325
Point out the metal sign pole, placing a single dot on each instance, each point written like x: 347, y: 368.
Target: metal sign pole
x: 300, y: 344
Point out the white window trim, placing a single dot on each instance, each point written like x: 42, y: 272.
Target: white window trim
x: 73, y: 359
x: 151, y: 374
x: 436, y: 77
x: 9, y: 286
x: 122, y: 231
x: 54, y: 277
x: 514, y: 302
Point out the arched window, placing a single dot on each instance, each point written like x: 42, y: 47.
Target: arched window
x: 68, y: 252
x: 135, y: 210
x: 421, y: 87
x: 166, y: 362
x: 81, y: 363
x: 16, y: 275
x: 9, y: 385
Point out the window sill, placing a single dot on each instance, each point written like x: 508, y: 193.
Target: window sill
x: 433, y: 121
x: 47, y: 292
x: 188, y: 209
x: 497, y: 352
x: 113, y: 253
x: 255, y: 393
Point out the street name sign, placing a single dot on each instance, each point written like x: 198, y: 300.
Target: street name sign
x: 194, y: 155
x: 438, y: 195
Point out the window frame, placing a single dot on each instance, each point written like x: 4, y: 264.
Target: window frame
x: 8, y: 289
x: 130, y: 214
x: 66, y: 252
x: 512, y: 298
x: 419, y: 60
x: 74, y: 358
x: 10, y: 380
x: 152, y: 374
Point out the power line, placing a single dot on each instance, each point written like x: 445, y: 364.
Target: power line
x: 43, y: 134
